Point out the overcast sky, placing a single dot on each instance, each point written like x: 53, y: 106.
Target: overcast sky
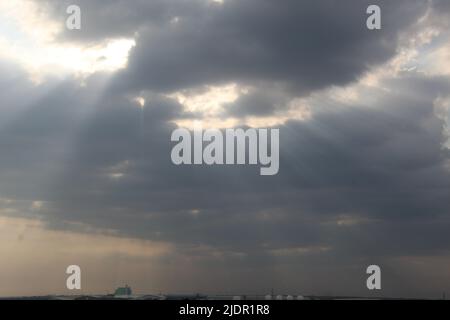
x: 86, y: 118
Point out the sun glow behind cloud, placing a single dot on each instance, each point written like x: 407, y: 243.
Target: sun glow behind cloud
x: 28, y: 37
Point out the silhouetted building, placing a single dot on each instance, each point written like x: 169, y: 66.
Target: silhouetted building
x: 123, y: 291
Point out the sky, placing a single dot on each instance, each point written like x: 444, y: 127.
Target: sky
x: 86, y: 118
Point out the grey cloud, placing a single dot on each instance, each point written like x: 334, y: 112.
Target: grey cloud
x: 441, y: 6
x: 357, y: 183
x: 261, y: 102
x: 384, y: 166
x: 302, y: 45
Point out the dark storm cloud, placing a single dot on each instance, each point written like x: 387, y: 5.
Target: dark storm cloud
x: 304, y: 45
x: 383, y: 166
x: 441, y: 6
x: 357, y: 183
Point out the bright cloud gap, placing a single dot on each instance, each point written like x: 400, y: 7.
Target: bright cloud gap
x: 29, y: 38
